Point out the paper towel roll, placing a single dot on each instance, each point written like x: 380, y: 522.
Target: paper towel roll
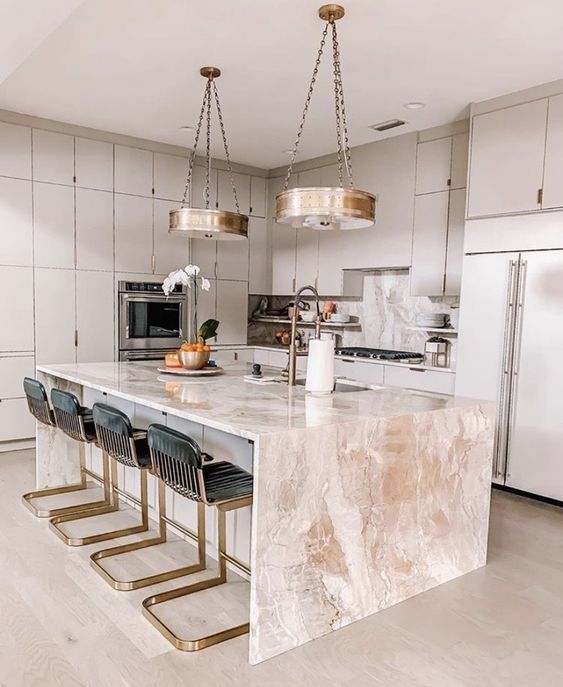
x: 320, y: 367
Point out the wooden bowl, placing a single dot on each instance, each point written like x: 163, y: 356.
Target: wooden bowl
x: 193, y: 360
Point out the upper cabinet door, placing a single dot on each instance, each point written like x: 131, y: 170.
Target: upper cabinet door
x: 53, y: 220
x: 133, y: 234
x: 53, y: 157
x: 225, y: 196
x: 170, y: 172
x: 94, y: 229
x: 260, y: 268
x: 433, y: 165
x: 454, y: 251
x: 15, y: 151
x: 170, y: 250
x: 553, y: 172
x: 429, y: 244
x: 460, y: 154
x: 133, y: 171
x: 232, y: 312
x: 258, y: 196
x: 16, y: 224
x: 507, y: 155
x: 94, y: 164
x: 232, y: 259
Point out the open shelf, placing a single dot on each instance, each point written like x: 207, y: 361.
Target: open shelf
x: 324, y: 324
x: 436, y: 330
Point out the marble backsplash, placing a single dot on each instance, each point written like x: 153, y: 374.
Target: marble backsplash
x: 386, y: 314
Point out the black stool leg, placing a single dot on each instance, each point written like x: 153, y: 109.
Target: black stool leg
x: 127, y: 585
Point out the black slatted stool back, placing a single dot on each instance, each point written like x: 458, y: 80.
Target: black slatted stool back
x: 71, y: 417
x: 117, y: 436
x: 37, y: 401
x: 177, y: 461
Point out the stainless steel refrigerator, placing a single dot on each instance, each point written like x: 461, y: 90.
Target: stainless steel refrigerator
x: 511, y: 351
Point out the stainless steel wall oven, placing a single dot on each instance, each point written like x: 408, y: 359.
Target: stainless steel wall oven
x: 150, y: 323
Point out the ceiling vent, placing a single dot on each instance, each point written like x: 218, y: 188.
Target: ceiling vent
x: 389, y: 124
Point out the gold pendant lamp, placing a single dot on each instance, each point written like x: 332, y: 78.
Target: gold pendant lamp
x: 330, y: 208
x: 207, y: 223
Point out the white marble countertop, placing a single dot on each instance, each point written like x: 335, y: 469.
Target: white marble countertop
x: 228, y: 403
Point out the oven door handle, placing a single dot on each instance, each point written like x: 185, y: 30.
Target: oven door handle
x: 162, y: 299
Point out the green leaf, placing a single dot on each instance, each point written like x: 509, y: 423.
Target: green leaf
x: 208, y: 329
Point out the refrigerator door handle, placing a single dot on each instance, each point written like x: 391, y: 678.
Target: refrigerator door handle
x: 499, y: 465
x: 519, y: 316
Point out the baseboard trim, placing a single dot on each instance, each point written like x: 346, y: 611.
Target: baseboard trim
x: 528, y: 495
x: 16, y: 445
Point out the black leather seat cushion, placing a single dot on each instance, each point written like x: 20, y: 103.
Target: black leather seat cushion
x: 142, y: 449
x: 226, y: 482
x: 89, y: 427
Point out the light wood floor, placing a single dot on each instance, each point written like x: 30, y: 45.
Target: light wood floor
x: 61, y: 625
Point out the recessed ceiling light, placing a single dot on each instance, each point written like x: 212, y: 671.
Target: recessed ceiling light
x: 187, y: 127
x: 416, y: 105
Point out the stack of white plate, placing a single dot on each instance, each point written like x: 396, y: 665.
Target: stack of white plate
x: 435, y: 320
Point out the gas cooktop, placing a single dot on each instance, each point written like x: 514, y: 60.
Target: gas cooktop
x: 379, y: 354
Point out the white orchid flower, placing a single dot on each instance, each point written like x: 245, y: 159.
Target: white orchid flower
x: 182, y: 278
x: 167, y: 286
x: 205, y: 284
x: 192, y: 270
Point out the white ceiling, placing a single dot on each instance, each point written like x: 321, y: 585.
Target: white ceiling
x: 132, y: 66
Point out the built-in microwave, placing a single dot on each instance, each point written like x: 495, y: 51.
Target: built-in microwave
x: 149, y: 321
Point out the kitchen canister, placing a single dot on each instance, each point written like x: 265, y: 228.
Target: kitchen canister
x: 320, y: 367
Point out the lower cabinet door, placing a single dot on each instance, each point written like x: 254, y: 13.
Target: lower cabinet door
x: 16, y: 422
x: 420, y: 379
x: 369, y: 373
x: 12, y: 371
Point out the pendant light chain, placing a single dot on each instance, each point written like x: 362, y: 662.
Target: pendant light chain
x: 225, y: 145
x: 337, y: 100
x: 342, y: 109
x: 305, y: 109
x: 206, y: 110
x: 208, y: 145
x: 187, y: 188
x: 342, y: 140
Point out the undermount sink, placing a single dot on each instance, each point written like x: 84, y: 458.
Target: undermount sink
x: 346, y: 385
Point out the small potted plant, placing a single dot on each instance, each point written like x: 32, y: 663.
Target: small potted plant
x: 194, y: 352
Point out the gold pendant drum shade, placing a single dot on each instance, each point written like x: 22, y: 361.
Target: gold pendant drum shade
x: 328, y: 208
x: 205, y: 222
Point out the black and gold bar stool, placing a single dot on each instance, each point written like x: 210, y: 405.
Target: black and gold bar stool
x: 178, y: 462
x: 116, y: 436
x: 38, y: 405
x: 80, y: 424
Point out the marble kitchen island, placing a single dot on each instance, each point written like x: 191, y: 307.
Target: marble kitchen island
x: 361, y: 499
